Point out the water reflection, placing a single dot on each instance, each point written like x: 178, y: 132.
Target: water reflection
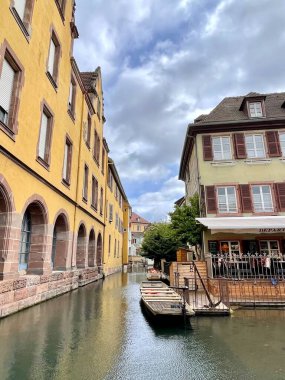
x: 99, y: 332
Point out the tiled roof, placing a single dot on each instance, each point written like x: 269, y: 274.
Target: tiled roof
x: 135, y: 218
x: 89, y: 79
x: 229, y: 108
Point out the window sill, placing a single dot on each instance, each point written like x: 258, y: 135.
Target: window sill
x: 84, y: 200
x: 65, y: 183
x: 43, y: 163
x: 71, y: 115
x: 96, y: 161
x: 9, y: 132
x: 87, y: 144
x: 24, y: 30
x: 52, y: 81
x: 223, y: 163
x: 94, y: 208
x: 258, y: 161
x: 265, y: 213
x: 282, y: 159
x: 234, y: 214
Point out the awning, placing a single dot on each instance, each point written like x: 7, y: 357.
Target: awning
x: 245, y: 224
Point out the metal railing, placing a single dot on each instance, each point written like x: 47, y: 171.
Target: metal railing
x: 248, y: 266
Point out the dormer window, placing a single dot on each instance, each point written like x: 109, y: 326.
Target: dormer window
x: 255, y: 109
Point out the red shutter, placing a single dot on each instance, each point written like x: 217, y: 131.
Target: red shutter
x: 245, y: 197
x: 239, y: 144
x: 207, y: 148
x: 280, y: 195
x: 273, y: 145
x: 211, y: 200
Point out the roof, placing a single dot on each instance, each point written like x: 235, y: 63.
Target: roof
x: 135, y: 217
x: 180, y: 201
x: 112, y: 166
x: 89, y: 79
x: 229, y: 108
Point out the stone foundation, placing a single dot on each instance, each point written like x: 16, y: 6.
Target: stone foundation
x: 29, y: 290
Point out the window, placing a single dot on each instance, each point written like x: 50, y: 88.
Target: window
x: 98, y: 108
x: 110, y: 213
x: 262, y: 198
x: 25, y: 242
x: 61, y: 7
x: 94, y: 200
x: 44, y: 144
x: 53, y: 60
x: 230, y: 247
x: 109, y: 246
x: 85, y: 183
x: 227, y: 202
x: 282, y: 143
x: 118, y: 251
x: 255, y: 109
x: 7, y: 81
x: 67, y: 161
x: 88, y: 132
x: 103, y: 161
x: 22, y: 10
x: 138, y: 227
x: 222, y: 148
x: 117, y: 221
x: 71, y: 99
x: 10, y: 86
x: 96, y: 149
x: 255, y: 146
x: 269, y: 247
x: 110, y: 179
x: 115, y: 247
x: 101, y: 200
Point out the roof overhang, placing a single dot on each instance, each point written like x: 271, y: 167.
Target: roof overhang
x: 245, y: 224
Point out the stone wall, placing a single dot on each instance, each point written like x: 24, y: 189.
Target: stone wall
x: 30, y: 290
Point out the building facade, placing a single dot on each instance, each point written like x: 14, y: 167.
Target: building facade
x: 53, y: 155
x: 138, y: 225
x: 234, y: 159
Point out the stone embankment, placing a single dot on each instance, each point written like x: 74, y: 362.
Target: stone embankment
x: 30, y: 290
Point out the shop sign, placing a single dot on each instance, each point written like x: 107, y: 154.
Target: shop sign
x: 271, y: 230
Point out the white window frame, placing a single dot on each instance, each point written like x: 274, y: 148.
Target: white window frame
x: 269, y: 250
x: 264, y: 207
x: 282, y: 142
x: 7, y: 81
x: 226, y: 205
x: 222, y: 151
x: 254, y: 150
x: 255, y: 109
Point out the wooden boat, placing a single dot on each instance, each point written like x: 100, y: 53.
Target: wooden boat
x: 163, y: 303
x: 153, y: 275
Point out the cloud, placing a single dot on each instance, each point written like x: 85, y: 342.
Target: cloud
x: 166, y: 62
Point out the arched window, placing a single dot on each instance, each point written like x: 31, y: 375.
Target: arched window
x: 25, y: 242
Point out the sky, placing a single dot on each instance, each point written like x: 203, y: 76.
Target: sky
x: 165, y: 62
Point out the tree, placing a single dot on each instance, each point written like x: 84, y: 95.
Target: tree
x: 184, y: 224
x: 160, y: 242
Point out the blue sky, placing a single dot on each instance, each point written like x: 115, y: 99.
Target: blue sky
x: 164, y: 62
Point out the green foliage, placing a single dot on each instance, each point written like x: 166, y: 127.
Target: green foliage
x: 160, y: 242
x: 183, y: 222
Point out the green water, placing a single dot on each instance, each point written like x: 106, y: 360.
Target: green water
x: 99, y: 332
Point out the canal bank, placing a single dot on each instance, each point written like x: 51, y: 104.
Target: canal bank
x: 99, y: 332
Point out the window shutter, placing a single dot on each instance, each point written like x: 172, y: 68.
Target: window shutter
x: 43, y: 137
x: 51, y: 58
x: 20, y: 6
x: 280, y: 195
x: 245, y: 196
x: 211, y: 200
x: 239, y: 145
x: 6, y: 85
x: 273, y: 145
x: 207, y: 148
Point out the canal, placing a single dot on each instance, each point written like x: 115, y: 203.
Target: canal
x: 99, y: 332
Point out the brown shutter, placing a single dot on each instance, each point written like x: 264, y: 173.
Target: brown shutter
x: 211, y: 200
x: 280, y: 195
x: 207, y: 148
x: 273, y: 145
x: 202, y: 201
x: 239, y: 144
x: 245, y: 197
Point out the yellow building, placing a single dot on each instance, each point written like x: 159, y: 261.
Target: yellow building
x: 234, y: 159
x: 53, y: 156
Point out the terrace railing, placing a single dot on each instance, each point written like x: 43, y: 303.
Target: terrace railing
x: 247, y: 266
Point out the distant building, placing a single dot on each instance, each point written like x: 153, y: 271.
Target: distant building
x: 138, y: 225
